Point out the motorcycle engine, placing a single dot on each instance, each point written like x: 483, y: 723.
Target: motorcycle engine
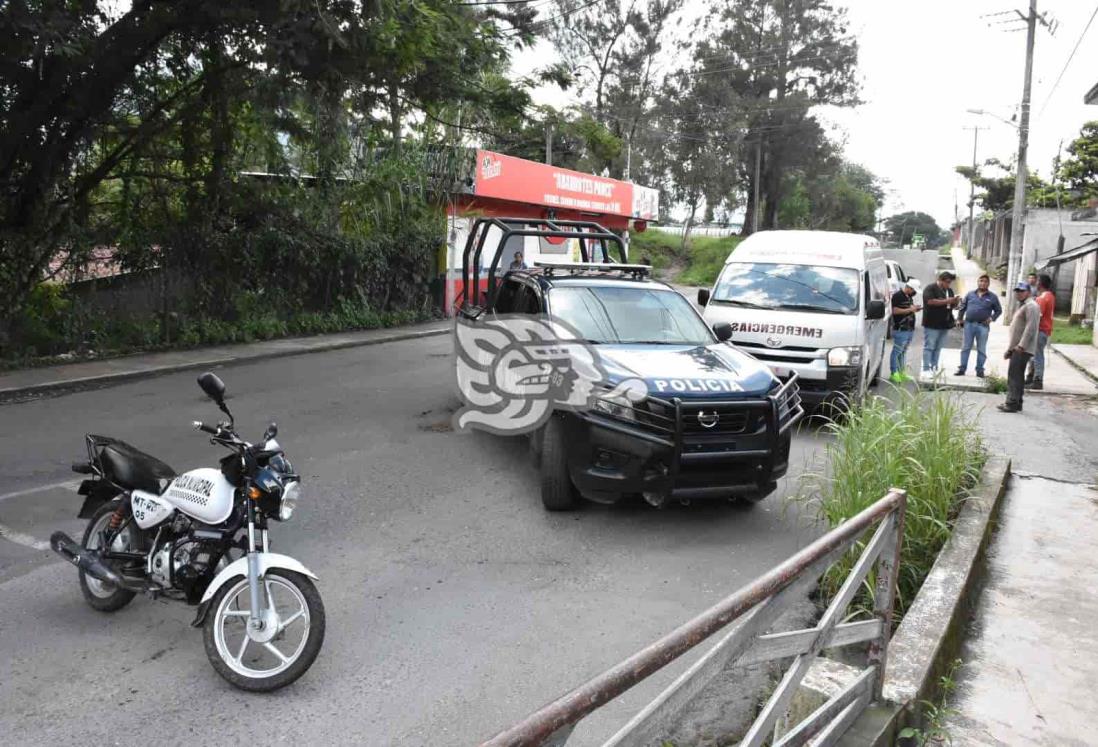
x: 191, y: 562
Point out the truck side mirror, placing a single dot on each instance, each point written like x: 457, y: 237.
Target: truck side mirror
x: 723, y: 331
x: 703, y: 296
x: 875, y: 309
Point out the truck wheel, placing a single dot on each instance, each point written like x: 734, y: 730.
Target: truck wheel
x: 536, y: 439
x: 557, y: 491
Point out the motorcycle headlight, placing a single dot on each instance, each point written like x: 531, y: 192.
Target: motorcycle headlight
x: 290, y: 495
x: 617, y: 407
x: 851, y: 356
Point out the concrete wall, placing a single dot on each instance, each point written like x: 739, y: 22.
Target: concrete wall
x: 1043, y: 226
x: 1043, y: 231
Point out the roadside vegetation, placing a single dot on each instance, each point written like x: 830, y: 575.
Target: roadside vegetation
x: 923, y: 442
x: 698, y: 263
x: 1064, y: 333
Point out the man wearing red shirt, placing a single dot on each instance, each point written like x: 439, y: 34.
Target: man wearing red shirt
x: 1046, y: 301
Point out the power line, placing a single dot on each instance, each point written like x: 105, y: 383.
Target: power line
x: 559, y: 16
x: 1068, y: 63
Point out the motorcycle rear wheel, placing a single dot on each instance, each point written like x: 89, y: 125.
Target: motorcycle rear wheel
x: 101, y: 595
x: 239, y: 657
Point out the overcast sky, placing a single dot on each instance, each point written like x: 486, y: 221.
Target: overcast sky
x: 923, y: 63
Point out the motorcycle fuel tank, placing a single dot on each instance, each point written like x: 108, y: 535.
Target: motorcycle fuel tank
x: 203, y: 494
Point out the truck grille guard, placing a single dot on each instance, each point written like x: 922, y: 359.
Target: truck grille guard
x: 664, y: 421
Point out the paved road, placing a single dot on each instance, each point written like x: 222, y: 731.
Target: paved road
x: 455, y: 603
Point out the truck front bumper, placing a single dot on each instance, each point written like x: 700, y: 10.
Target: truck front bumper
x: 674, y: 455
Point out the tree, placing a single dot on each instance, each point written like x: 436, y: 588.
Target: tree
x: 129, y: 122
x: 1079, y: 171
x: 842, y: 197
x: 903, y: 226
x: 782, y: 57
x: 996, y: 192
x: 613, y: 48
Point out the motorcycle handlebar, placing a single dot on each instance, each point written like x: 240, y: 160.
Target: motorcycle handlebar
x: 200, y: 426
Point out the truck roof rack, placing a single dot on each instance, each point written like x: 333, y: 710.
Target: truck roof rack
x: 548, y: 228
x: 636, y: 271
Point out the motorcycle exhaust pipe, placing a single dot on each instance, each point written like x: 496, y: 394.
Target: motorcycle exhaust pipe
x: 89, y: 562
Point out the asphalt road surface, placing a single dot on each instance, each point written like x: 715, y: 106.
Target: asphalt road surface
x: 455, y: 603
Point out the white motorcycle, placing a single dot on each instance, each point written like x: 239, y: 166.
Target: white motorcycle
x: 202, y: 537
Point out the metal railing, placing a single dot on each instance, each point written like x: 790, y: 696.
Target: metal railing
x: 757, y: 605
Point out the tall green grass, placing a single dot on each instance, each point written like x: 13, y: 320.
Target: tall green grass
x: 707, y: 257
x: 699, y: 264
x: 924, y: 443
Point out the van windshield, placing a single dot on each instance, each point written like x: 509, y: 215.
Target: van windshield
x: 629, y: 315
x: 825, y: 290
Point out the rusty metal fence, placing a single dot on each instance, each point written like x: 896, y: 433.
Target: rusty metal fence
x: 756, y: 606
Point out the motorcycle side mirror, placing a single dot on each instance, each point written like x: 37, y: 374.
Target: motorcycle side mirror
x: 271, y: 432
x: 212, y: 386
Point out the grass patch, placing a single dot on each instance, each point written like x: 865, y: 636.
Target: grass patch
x: 996, y: 384
x: 124, y: 336
x: 699, y: 264
x: 924, y: 443
x: 1065, y: 333
x: 707, y: 257
x: 663, y: 249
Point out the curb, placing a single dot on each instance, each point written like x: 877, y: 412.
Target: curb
x: 932, y: 632
x: 111, y: 379
x: 1071, y: 362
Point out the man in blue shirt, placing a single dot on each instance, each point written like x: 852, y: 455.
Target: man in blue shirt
x: 978, y: 310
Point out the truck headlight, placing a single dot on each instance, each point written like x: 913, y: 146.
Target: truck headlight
x: 617, y: 407
x: 849, y: 356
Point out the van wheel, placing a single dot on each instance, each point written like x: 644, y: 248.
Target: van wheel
x: 557, y: 491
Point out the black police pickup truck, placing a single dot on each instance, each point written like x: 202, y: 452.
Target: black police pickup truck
x: 716, y: 423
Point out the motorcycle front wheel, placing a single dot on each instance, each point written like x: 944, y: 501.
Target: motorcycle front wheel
x: 286, y: 646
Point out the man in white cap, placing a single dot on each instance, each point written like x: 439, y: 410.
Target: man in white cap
x: 903, y: 328
x: 1022, y: 346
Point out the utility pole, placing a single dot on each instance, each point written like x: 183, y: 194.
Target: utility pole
x: 628, y: 157
x: 548, y: 141
x: 758, y: 169
x: 1017, y: 263
x: 972, y: 190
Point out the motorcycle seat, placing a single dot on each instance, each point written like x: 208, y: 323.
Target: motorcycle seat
x: 129, y: 467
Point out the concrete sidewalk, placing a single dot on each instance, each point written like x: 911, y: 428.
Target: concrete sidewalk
x: 1061, y: 377
x: 1029, y: 673
x: 34, y: 381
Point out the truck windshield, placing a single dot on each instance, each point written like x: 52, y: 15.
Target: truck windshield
x: 826, y: 290
x: 604, y: 314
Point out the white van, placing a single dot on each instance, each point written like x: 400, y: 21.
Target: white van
x: 814, y: 303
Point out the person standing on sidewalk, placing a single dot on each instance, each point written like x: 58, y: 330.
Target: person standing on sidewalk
x: 1022, y: 346
x: 903, y: 328
x: 977, y: 311
x: 1046, y: 302
x: 938, y: 303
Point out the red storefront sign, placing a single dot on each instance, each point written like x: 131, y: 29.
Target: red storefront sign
x: 517, y: 180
